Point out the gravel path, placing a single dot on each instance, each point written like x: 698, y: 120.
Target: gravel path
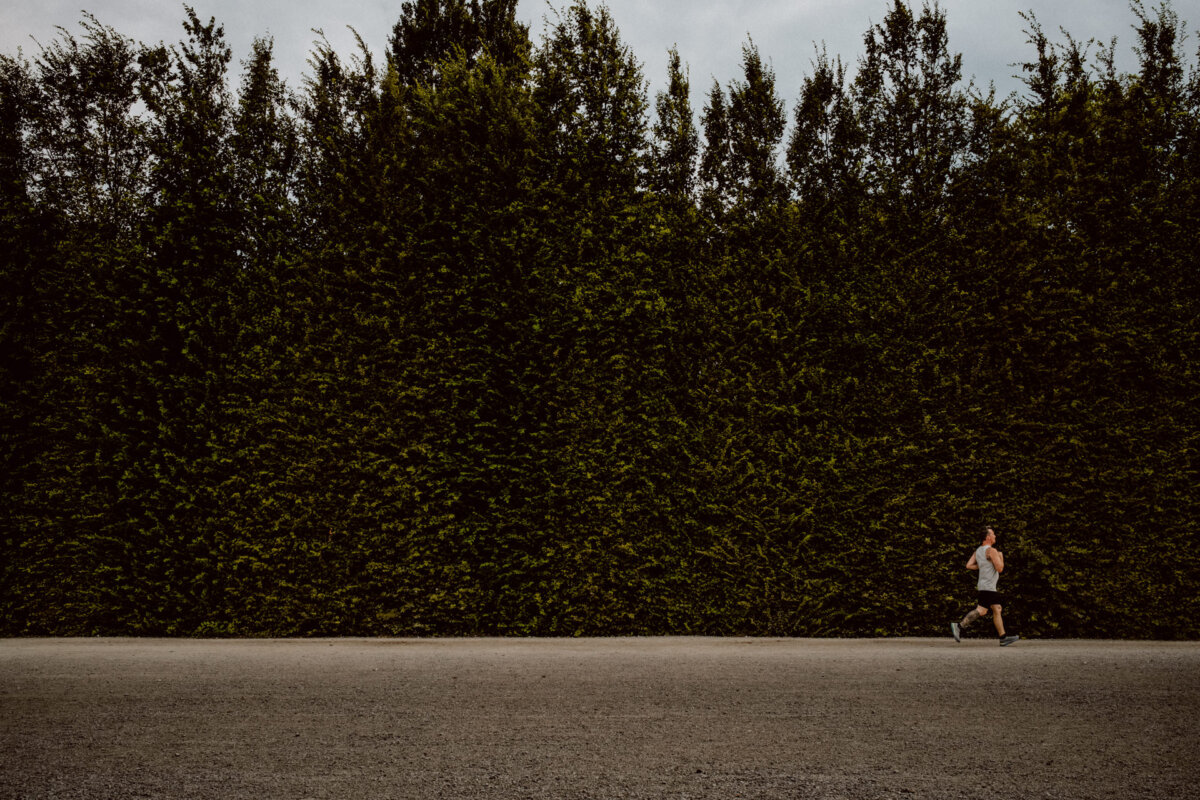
x: 598, y: 718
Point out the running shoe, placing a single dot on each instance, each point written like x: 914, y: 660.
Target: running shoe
x: 956, y: 631
x: 1007, y: 640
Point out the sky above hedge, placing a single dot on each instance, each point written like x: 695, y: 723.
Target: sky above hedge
x: 708, y: 33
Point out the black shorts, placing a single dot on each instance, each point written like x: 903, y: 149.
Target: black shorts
x: 989, y: 599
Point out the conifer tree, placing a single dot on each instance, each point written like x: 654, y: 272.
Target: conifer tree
x: 824, y: 153
x: 716, y: 178
x: 312, y: 444
x: 756, y: 123
x: 752, y: 369
x: 264, y: 144
x: 591, y: 97
x: 427, y: 32
x: 85, y: 148
x: 23, y: 345
x: 432, y: 31
x: 676, y: 245
x: 264, y: 151
x: 743, y: 129
x: 172, y: 394
x: 469, y: 319
x: 676, y: 141
x: 911, y: 113
x: 600, y: 372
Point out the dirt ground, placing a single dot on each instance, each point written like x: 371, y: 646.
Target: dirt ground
x: 598, y: 718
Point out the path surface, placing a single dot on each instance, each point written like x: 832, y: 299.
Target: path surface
x: 598, y: 718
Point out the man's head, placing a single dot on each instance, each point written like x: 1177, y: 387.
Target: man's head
x: 989, y: 535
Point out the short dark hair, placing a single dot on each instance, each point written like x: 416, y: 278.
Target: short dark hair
x: 983, y: 532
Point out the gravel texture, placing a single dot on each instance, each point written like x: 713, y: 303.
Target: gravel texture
x: 598, y: 718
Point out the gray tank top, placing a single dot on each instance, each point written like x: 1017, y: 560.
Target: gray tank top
x: 988, y: 576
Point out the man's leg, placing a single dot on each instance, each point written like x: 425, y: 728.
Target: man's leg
x: 956, y: 628
x: 972, y: 615
x: 1005, y: 640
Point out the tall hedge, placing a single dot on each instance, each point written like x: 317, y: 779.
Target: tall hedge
x: 480, y: 340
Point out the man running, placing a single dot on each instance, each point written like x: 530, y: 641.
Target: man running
x: 989, y: 562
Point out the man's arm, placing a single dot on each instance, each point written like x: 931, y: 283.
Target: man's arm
x: 972, y: 563
x: 997, y: 558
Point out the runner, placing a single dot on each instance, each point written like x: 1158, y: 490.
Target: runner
x: 989, y: 562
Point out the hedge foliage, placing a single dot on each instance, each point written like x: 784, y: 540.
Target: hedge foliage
x: 479, y: 341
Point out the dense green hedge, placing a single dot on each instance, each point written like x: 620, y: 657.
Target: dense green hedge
x: 476, y: 342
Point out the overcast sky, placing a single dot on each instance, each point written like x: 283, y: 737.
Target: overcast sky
x: 709, y: 33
